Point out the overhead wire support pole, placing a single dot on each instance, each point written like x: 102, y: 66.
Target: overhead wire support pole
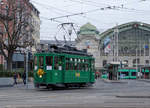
x: 27, y: 69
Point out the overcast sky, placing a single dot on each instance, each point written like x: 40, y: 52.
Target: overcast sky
x: 97, y: 12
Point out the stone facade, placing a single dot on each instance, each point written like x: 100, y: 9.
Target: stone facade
x: 89, y: 39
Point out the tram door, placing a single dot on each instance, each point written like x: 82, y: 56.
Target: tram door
x: 58, y: 69
x: 49, y: 68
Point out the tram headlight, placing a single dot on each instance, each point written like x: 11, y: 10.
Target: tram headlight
x: 40, y: 73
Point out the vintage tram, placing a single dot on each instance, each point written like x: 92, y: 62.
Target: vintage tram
x: 63, y: 67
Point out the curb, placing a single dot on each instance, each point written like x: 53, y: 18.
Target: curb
x: 133, y: 96
x: 114, y: 81
x: 6, y: 85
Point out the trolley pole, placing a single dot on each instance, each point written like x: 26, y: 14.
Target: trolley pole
x: 27, y: 69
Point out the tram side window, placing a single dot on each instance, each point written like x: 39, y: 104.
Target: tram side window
x: 86, y: 67
x: 71, y: 66
x: 41, y: 62
x: 80, y: 66
x: 125, y: 73
x: 133, y: 73
x: 49, y: 62
x: 67, y: 66
x: 75, y: 66
x: 92, y: 66
x: 35, y: 63
x: 58, y: 63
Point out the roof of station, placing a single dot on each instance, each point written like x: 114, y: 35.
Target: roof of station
x: 124, y: 27
x: 88, y: 29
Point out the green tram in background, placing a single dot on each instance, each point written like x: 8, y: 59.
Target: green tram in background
x: 132, y: 73
x: 127, y: 73
x: 63, y: 67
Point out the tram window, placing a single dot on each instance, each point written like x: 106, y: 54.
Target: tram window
x: 49, y: 62
x: 56, y: 63
x: 92, y: 65
x: 125, y: 73
x: 73, y: 59
x: 83, y: 60
x: 79, y: 60
x: 86, y: 67
x: 80, y: 66
x: 41, y: 60
x: 133, y: 73
x: 75, y: 66
x: 86, y: 60
x: 67, y: 66
x: 67, y: 59
x: 35, y: 62
x: 71, y: 66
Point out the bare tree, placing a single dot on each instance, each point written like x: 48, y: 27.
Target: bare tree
x: 16, y: 28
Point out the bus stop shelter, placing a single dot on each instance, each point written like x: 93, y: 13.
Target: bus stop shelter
x: 112, y: 70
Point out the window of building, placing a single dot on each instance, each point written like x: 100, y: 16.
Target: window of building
x: 104, y: 62
x: 147, y: 62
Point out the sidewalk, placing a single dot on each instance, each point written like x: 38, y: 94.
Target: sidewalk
x: 9, y: 82
x: 6, y: 82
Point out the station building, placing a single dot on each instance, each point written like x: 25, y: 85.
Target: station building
x: 129, y: 42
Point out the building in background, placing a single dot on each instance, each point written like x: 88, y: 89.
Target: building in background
x: 88, y: 38
x: 128, y: 43
x: 33, y: 27
x: 35, y: 21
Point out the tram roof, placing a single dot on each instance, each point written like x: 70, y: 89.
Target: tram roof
x: 65, y: 50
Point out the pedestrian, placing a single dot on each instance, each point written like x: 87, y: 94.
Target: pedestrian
x: 15, y: 78
x: 24, y: 78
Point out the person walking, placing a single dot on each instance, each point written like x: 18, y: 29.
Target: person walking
x: 15, y: 78
x: 24, y: 78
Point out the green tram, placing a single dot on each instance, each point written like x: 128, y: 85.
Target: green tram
x: 132, y: 73
x: 63, y: 67
x: 127, y: 73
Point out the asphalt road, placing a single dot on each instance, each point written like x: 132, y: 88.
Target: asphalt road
x: 103, y: 94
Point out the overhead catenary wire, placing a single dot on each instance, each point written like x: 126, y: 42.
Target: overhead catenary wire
x: 117, y: 8
x: 94, y: 10
x: 51, y: 7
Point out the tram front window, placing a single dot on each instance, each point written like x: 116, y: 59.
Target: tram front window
x: 41, y: 60
x: 35, y: 63
x: 49, y: 62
